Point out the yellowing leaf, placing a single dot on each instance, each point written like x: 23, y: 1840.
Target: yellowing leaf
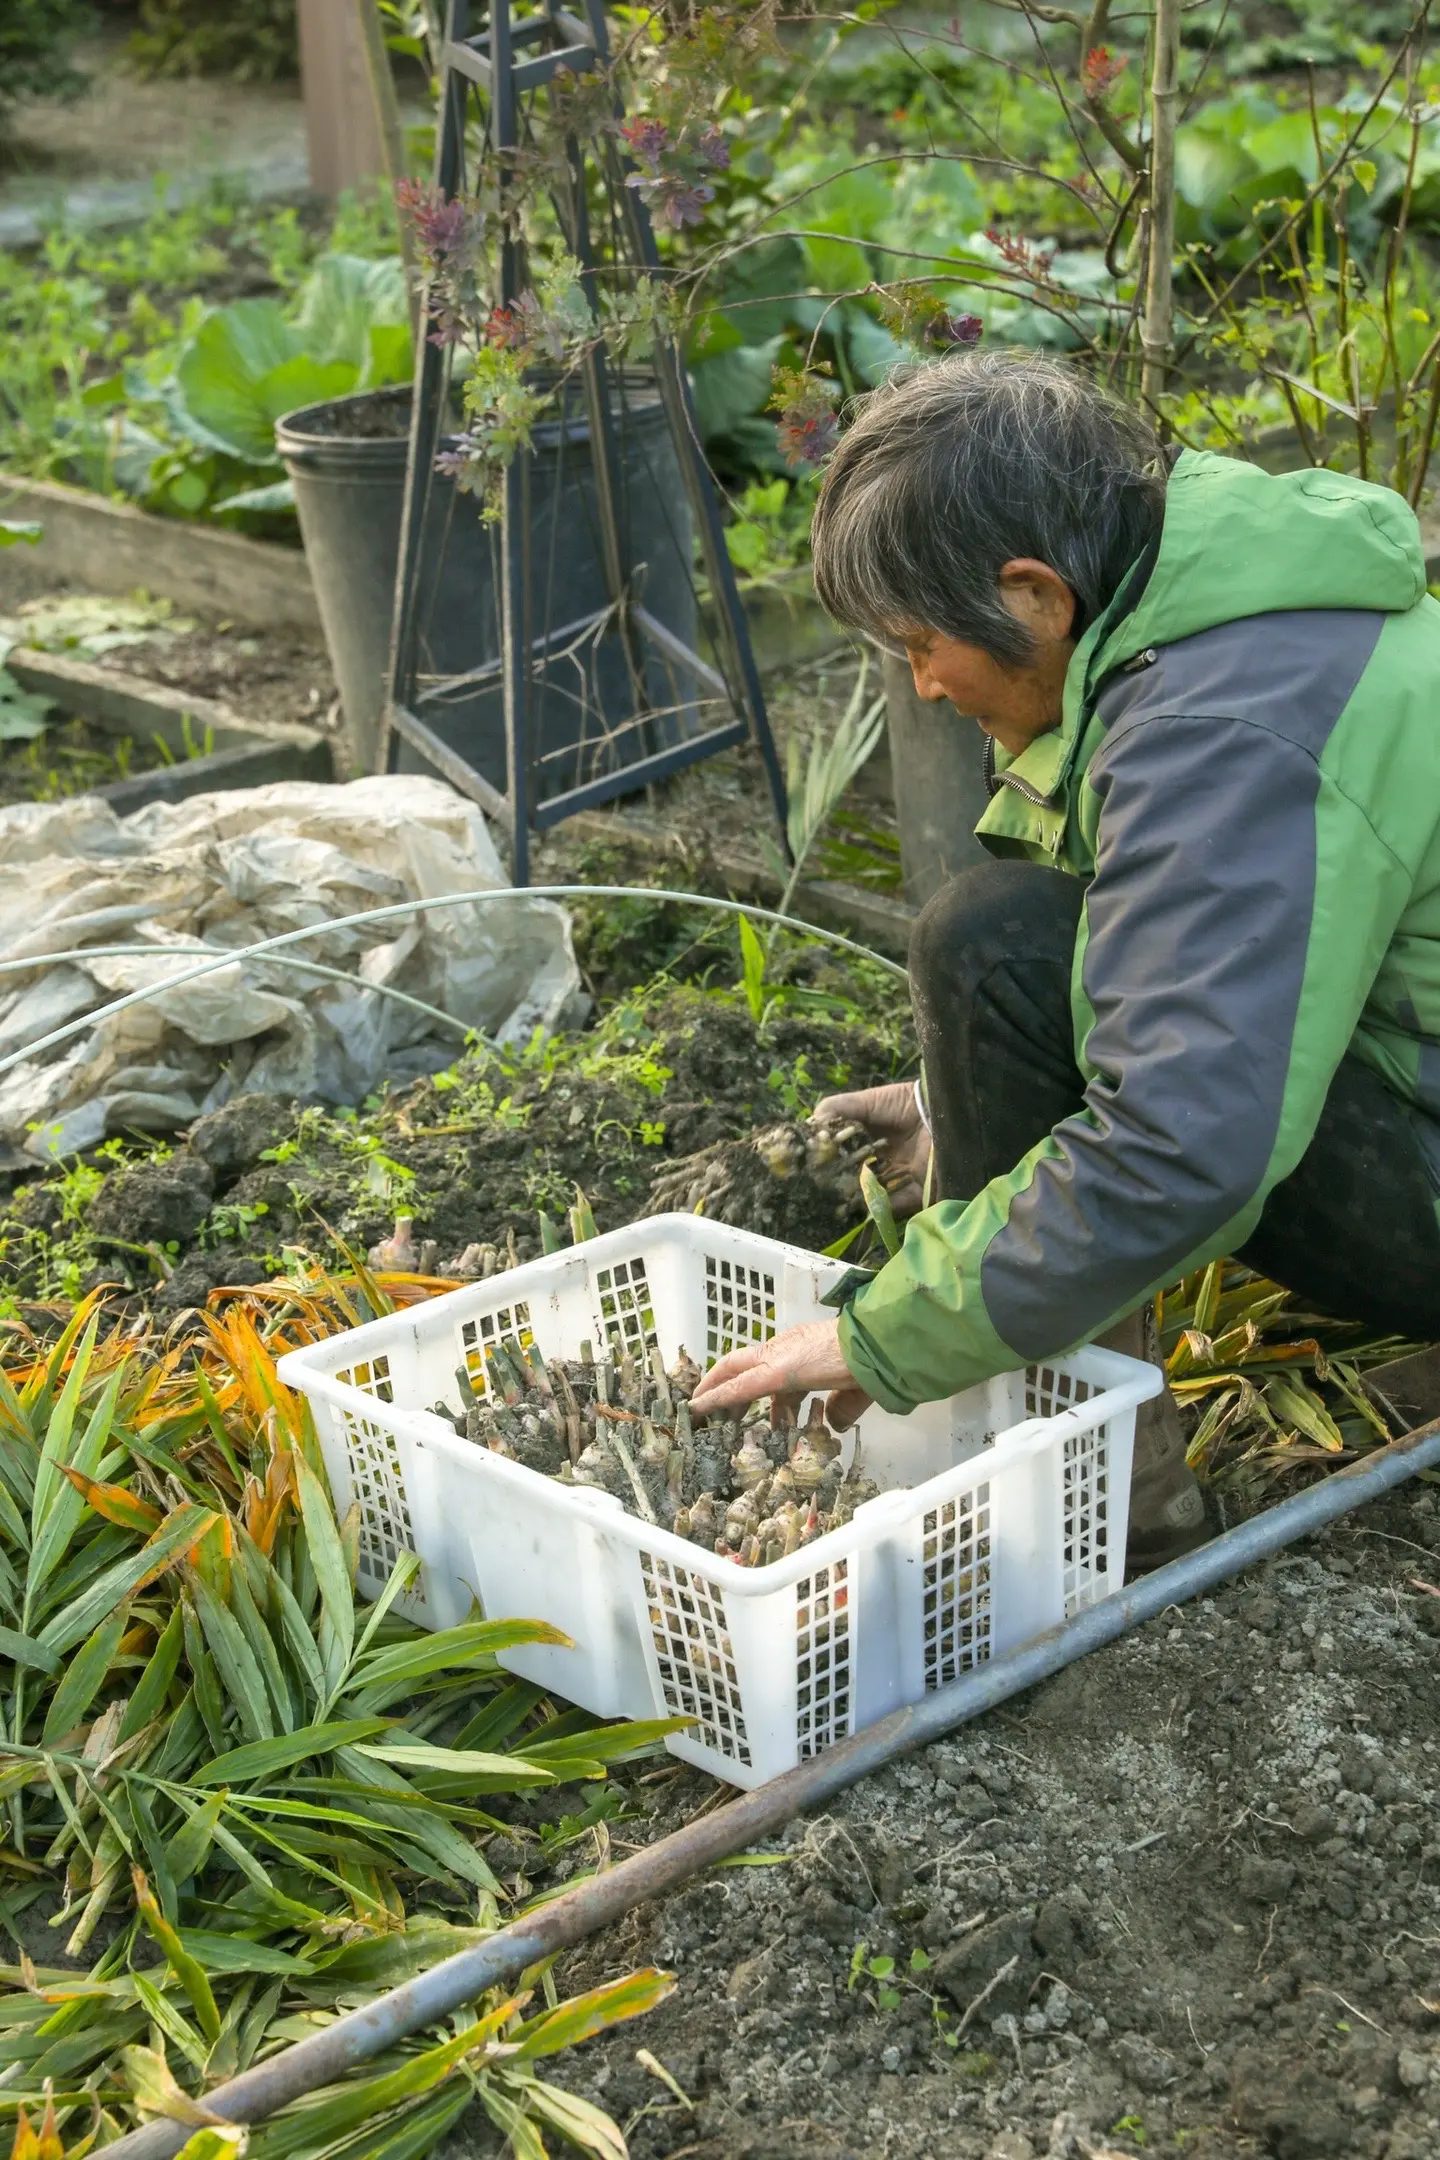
x: 155, y: 2092
x: 1294, y: 1404
x: 593, y: 2012
x: 225, y: 2141
x: 187, y: 1970
x: 44, y: 2143
x: 114, y: 1502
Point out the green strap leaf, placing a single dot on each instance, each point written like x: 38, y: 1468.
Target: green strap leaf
x: 25, y: 1650
x: 295, y: 1629
x: 603, y: 1743
x: 154, y: 1683
x: 187, y: 1970
x: 235, y: 1661
x: 327, y: 1557
x: 262, y: 1645
x: 453, y: 1647
x: 175, y: 1535
x: 186, y: 1852
x: 56, y: 1448
x: 84, y: 1677
x: 326, y: 2116
x: 419, y: 1755
x: 264, y: 1758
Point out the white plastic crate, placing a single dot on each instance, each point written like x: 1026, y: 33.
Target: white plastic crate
x: 1003, y: 1511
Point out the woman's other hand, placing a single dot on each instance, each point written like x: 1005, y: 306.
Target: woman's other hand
x: 891, y: 1116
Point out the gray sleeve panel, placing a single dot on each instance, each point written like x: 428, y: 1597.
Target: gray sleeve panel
x: 1292, y: 673
x: 1199, y: 923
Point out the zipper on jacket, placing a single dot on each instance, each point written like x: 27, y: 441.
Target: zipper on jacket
x: 995, y: 781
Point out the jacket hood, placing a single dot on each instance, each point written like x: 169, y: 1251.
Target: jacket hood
x: 1236, y: 541
x: 1239, y: 541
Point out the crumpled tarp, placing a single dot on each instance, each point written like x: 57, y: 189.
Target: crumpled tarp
x: 224, y: 870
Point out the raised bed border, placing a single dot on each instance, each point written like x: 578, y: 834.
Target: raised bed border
x: 242, y: 753
x: 110, y: 547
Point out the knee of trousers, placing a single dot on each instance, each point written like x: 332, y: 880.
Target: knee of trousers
x: 986, y: 912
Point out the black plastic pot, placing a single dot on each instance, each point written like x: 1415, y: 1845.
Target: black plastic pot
x: 347, y: 461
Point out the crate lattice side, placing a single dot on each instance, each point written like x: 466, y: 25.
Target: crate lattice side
x: 1085, y: 1547
x: 824, y: 1689
x: 739, y: 1306
x: 693, y: 1653
x: 372, y: 1456
x: 1085, y: 1550
x: 956, y: 1551
x: 625, y: 1316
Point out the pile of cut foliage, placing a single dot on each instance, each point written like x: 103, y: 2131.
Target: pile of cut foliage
x: 236, y: 1805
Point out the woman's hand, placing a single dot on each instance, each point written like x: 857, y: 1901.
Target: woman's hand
x: 792, y: 1364
x: 892, y: 1118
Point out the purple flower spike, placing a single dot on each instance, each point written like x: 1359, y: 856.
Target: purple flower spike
x: 681, y: 204
x: 648, y: 140
x: 948, y: 330
x: 439, y: 220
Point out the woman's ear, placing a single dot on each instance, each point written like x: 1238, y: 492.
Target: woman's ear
x: 1038, y: 597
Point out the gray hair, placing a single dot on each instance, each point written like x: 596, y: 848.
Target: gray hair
x: 954, y: 469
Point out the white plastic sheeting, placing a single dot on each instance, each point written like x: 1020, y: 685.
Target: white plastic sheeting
x: 221, y: 871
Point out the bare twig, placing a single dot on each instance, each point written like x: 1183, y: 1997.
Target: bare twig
x: 996, y: 1980
x: 1157, y: 324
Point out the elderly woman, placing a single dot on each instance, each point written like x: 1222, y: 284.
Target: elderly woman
x: 1192, y: 1007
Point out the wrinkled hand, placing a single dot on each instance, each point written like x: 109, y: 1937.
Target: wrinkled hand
x: 792, y: 1365
x: 890, y: 1116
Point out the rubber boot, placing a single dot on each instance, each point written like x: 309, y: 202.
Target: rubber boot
x: 1167, y: 1508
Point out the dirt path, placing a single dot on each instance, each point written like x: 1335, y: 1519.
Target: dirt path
x: 1195, y: 1874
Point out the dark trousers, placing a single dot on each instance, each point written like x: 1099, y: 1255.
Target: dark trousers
x: 1352, y: 1231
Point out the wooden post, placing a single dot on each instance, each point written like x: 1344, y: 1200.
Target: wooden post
x: 1157, y: 323
x: 347, y: 148
x: 937, y: 767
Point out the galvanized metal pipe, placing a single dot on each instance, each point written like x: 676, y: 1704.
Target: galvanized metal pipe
x: 605, y: 1898
x: 187, y: 952
x: 396, y: 910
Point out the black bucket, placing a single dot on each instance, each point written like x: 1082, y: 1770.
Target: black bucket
x: 347, y: 461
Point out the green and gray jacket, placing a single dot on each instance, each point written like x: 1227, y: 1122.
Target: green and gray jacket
x: 1248, y: 776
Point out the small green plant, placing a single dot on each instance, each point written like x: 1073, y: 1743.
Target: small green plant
x: 77, y: 1186
x: 37, y: 39
x: 881, y: 1969
x: 770, y: 535
x: 191, y: 744
x: 249, y: 40
x: 228, y: 1220
x: 794, y: 1084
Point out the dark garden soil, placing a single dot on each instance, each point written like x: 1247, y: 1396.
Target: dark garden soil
x: 262, y: 675
x: 1179, y: 1900
x: 681, y: 1098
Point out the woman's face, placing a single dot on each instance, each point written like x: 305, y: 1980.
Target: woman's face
x: 1012, y: 700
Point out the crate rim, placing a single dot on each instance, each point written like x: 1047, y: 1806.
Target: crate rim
x: 607, y: 1514
x: 540, y: 1271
